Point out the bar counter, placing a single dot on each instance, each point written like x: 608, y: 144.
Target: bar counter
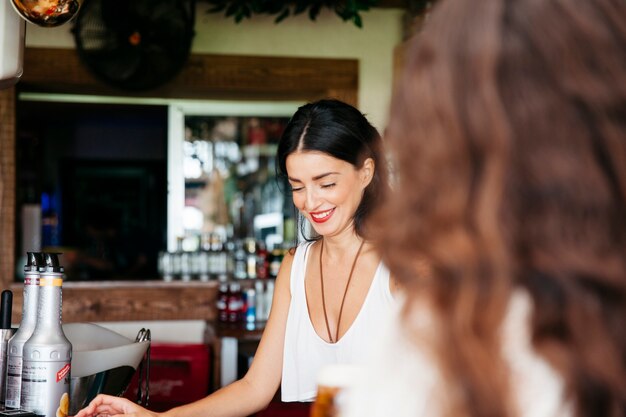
x: 132, y: 300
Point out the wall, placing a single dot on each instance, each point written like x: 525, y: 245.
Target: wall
x: 328, y: 37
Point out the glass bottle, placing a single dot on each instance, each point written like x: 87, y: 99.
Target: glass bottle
x: 222, y: 303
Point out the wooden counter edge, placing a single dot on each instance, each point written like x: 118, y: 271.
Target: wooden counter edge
x: 129, y: 301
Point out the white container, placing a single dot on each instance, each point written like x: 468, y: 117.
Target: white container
x: 97, y: 349
x: 103, y: 362
x: 12, y: 33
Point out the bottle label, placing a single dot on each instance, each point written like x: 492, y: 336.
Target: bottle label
x: 45, y: 388
x: 31, y: 281
x: 50, y: 282
x: 14, y: 381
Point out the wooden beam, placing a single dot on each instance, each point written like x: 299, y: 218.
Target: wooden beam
x: 203, y: 77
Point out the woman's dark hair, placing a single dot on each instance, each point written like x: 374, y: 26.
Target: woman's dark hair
x: 341, y: 131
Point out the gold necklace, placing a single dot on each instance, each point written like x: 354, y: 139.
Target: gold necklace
x: 344, y: 292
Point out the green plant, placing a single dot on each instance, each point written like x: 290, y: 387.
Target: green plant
x: 348, y: 10
x: 418, y: 7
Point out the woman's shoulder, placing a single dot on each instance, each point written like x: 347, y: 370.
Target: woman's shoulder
x: 294, y: 252
x: 300, y: 249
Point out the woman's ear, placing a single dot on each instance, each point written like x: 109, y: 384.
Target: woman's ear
x: 367, y: 172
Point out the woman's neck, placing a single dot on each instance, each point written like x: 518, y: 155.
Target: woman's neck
x: 339, y: 246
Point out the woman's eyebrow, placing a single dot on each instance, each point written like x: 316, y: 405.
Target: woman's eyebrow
x: 319, y: 177
x: 315, y: 178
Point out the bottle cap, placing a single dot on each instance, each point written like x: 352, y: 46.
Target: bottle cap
x: 52, y: 262
x: 34, y: 262
x: 6, y: 305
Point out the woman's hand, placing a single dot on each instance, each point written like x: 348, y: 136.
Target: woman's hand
x: 108, y: 406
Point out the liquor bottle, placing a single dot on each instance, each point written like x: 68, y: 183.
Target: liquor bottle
x: 221, y: 257
x: 204, y: 272
x: 34, y: 263
x: 260, y: 301
x: 214, y: 256
x: 251, y: 257
x: 222, y: 302
x: 241, y: 266
x: 47, y: 353
x: 262, y: 264
x: 250, y: 305
x: 275, y: 261
x: 235, y: 303
x: 185, y: 266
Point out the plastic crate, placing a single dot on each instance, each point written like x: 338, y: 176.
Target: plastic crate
x: 280, y: 409
x: 179, y: 374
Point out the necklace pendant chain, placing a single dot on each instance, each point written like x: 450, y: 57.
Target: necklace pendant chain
x: 343, y: 299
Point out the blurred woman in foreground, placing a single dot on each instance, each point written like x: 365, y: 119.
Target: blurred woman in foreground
x: 508, y: 137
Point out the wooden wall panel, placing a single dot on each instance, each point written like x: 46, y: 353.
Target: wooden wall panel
x: 121, y: 301
x: 7, y: 185
x: 203, y: 77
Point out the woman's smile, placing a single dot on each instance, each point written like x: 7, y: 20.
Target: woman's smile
x: 321, y: 216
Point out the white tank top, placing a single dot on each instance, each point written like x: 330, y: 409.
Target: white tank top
x: 305, y: 353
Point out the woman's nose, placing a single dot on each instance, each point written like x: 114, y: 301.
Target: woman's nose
x: 311, y: 199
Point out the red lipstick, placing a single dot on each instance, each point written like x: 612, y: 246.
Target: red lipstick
x: 321, y: 216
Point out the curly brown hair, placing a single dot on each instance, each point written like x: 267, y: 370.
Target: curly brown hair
x: 508, y: 137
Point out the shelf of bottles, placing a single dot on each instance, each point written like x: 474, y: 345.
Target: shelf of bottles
x: 236, y: 218
x: 229, y: 166
x: 244, y: 268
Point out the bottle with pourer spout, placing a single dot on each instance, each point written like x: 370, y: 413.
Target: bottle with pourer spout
x: 48, y: 353
x: 24, y: 332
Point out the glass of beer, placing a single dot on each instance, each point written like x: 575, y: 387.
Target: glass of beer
x: 333, y: 382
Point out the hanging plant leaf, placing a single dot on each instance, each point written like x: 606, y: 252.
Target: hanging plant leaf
x: 284, y: 14
x: 347, y: 10
x: 232, y: 10
x: 300, y: 7
x: 217, y: 8
x: 314, y: 11
x: 417, y: 7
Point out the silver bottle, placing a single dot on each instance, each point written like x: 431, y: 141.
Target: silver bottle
x: 48, y: 353
x: 25, y: 331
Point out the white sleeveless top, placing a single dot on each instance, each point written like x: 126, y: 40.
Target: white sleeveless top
x: 305, y: 353
x: 403, y: 378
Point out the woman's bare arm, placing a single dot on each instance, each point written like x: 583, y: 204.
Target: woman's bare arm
x: 241, y: 398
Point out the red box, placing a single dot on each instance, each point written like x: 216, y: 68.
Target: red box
x: 179, y: 374
x: 280, y: 409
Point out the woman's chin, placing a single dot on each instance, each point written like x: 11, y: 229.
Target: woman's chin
x: 321, y: 229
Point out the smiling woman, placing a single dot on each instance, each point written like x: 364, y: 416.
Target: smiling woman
x: 332, y: 158
x: 323, y: 312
